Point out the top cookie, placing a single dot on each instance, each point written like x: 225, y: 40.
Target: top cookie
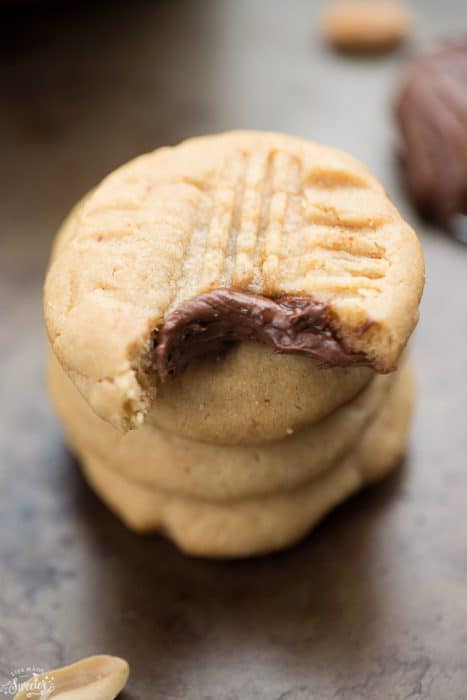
x: 240, y: 235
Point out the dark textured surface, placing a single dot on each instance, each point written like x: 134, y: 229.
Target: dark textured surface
x: 373, y: 604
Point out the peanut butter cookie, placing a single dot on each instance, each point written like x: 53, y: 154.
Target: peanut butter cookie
x: 244, y: 236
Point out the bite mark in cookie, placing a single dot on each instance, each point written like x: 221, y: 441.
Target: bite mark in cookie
x: 209, y: 323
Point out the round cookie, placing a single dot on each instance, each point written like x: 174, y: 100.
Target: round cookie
x: 250, y: 395
x: 163, y: 461
x: 365, y: 25
x: 252, y: 526
x: 238, y: 236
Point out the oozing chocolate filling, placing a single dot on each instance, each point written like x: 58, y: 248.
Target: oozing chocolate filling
x: 209, y: 323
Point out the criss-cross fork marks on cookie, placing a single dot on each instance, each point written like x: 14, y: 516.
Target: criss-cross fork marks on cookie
x: 261, y: 221
x: 270, y: 220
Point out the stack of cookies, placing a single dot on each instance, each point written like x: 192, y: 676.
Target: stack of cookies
x: 227, y: 322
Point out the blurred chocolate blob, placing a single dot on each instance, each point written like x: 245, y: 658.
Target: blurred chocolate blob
x: 431, y: 111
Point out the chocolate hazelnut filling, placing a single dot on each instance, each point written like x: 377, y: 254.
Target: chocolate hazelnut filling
x: 209, y: 323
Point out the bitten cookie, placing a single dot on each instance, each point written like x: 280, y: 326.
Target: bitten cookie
x: 253, y: 395
x: 244, y: 236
